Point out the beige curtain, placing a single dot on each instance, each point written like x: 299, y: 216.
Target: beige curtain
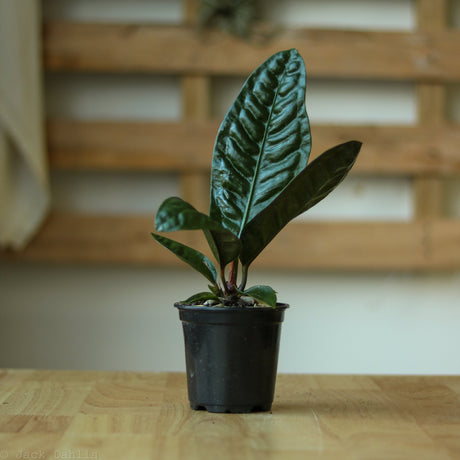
x: 24, y: 189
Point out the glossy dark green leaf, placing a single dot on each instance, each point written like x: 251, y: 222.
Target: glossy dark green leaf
x: 194, y: 258
x: 264, y: 295
x: 176, y: 214
x: 263, y: 142
x: 318, y: 179
x: 260, y: 178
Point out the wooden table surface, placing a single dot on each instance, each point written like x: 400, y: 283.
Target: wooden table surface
x: 129, y: 415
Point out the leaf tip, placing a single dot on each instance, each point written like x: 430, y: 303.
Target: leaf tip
x: 357, y: 144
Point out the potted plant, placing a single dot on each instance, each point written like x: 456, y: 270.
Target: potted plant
x: 260, y: 180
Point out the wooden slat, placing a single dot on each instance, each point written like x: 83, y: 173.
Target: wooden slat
x: 429, y: 151
x: 160, y: 146
x: 97, y: 238
x: 302, y: 245
x: 196, y: 108
x: 349, y: 246
x: 423, y: 56
x: 442, y: 247
x: 432, y: 101
x: 187, y: 146
x: 429, y: 194
x: 429, y: 190
x: 432, y: 14
x: 195, y: 189
x: 190, y: 11
x: 196, y: 99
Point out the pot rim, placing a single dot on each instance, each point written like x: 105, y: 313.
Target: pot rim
x: 279, y: 307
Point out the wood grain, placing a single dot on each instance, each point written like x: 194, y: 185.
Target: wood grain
x: 427, y: 152
x: 120, y: 415
x: 419, y: 245
x: 424, y: 56
x: 429, y: 191
x: 196, y: 108
x: 187, y: 146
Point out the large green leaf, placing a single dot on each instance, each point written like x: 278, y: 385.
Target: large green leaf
x: 194, y: 258
x: 176, y: 214
x: 317, y: 180
x: 263, y: 142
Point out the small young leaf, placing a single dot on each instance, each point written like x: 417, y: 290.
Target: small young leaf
x: 194, y: 258
x: 215, y: 290
x: 262, y: 294
x: 200, y: 297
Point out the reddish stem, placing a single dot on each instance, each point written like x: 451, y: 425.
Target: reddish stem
x: 232, y: 276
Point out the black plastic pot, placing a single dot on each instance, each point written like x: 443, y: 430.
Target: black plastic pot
x: 231, y: 356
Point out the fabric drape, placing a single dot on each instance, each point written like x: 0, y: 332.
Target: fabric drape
x: 24, y: 185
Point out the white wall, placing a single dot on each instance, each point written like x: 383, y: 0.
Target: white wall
x: 122, y: 317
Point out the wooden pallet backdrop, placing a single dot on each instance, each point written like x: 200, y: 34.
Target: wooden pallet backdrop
x: 428, y: 152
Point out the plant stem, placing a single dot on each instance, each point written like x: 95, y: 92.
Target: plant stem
x: 232, y: 276
x: 224, y: 282
x: 244, y: 278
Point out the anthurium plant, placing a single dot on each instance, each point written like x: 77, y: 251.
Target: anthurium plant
x: 260, y: 180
